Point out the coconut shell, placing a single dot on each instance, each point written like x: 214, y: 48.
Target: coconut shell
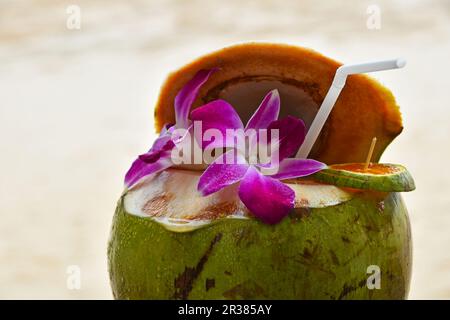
x: 319, y: 253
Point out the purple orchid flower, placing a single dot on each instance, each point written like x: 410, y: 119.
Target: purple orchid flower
x: 263, y: 194
x: 158, y: 157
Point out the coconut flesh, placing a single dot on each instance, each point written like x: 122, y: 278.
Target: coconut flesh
x: 171, y: 199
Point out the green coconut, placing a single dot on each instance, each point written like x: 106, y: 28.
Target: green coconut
x: 168, y: 242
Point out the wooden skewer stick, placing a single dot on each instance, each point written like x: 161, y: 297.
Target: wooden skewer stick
x: 369, y: 154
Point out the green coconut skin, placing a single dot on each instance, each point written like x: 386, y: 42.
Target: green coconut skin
x: 319, y: 253
x: 400, y: 181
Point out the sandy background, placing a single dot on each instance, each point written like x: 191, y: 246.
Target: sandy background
x: 76, y: 107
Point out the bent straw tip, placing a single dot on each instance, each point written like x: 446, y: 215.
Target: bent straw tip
x: 400, y: 63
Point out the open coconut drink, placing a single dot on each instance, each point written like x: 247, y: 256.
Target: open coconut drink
x: 232, y: 225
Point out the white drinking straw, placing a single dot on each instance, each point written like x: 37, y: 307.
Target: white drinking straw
x: 333, y: 93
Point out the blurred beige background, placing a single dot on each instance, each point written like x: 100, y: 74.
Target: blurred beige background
x: 76, y: 107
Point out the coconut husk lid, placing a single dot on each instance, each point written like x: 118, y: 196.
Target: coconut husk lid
x: 365, y: 109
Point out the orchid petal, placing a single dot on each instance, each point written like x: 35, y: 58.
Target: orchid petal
x: 218, y: 115
x: 268, y: 199
x: 140, y: 169
x: 295, y: 168
x: 163, y: 143
x: 267, y: 111
x: 221, y: 173
x: 291, y: 135
x: 187, y: 95
x: 154, y: 155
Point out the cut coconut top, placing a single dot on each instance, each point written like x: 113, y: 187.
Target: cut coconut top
x: 365, y: 109
x: 172, y: 196
x: 384, y: 177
